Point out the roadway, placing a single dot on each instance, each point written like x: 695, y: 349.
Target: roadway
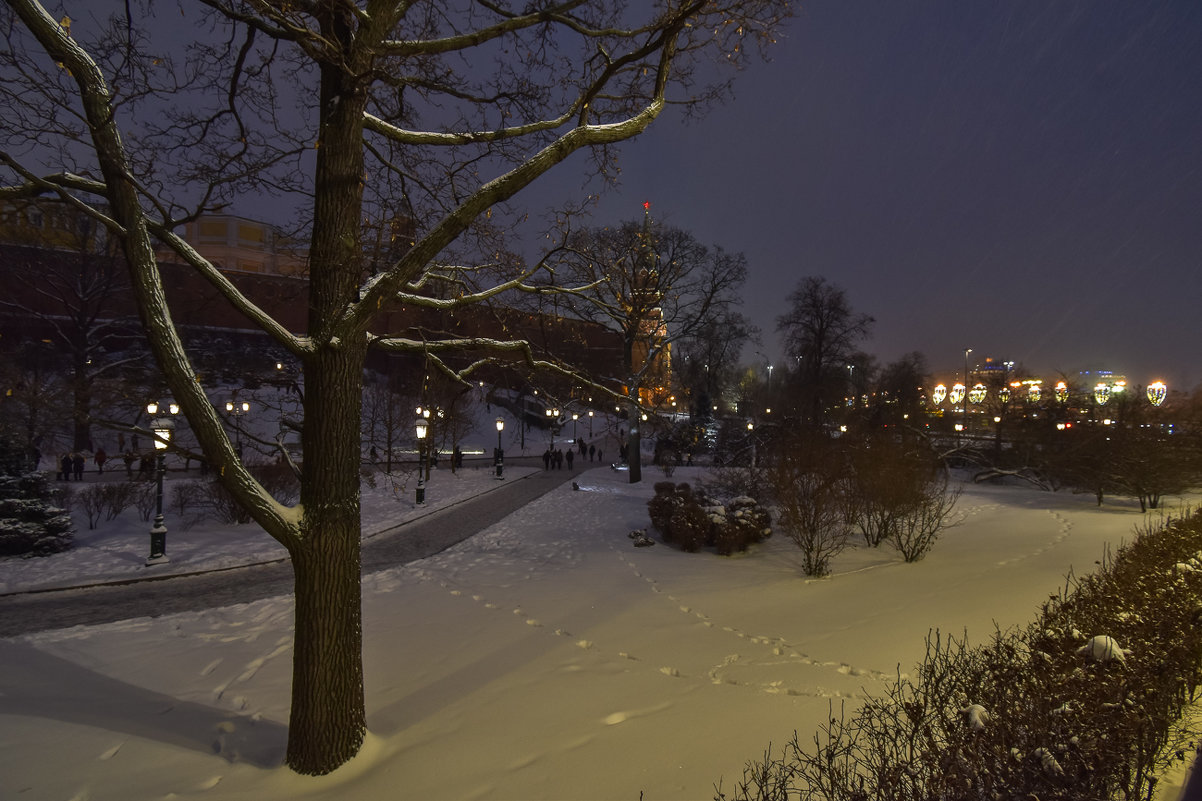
x: 22, y: 613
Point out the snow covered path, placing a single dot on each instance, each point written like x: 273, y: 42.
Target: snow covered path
x: 543, y: 658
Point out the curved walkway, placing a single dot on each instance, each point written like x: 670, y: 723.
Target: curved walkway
x: 22, y: 613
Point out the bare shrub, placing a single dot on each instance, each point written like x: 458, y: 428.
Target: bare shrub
x: 278, y: 479
x: 184, y: 496
x: 216, y: 500
x: 810, y: 485
x: 145, y: 498
x: 919, y: 525
x: 91, y: 501
x: 1034, y: 713
x: 118, y: 496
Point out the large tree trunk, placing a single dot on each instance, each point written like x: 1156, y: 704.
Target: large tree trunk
x: 328, y: 721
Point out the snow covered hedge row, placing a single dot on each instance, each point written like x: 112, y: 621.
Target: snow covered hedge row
x: 1081, y: 704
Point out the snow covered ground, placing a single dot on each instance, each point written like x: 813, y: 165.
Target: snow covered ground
x: 544, y: 658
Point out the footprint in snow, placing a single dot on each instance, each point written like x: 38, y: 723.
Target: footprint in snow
x: 112, y: 752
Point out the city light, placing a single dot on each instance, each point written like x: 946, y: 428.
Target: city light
x: 977, y: 393
x: 957, y: 394
x: 938, y: 394
x: 1061, y: 392
x: 1101, y: 394
x: 1156, y: 392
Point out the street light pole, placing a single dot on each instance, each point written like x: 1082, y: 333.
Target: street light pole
x: 163, y: 428
x: 421, y: 428
x: 500, y: 453
x: 237, y: 410
x: 966, y: 352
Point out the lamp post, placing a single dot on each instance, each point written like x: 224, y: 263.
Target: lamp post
x: 422, y: 426
x: 163, y: 428
x: 237, y: 410
x: 590, y: 423
x: 500, y: 453
x: 575, y: 430
x: 553, y: 417
x: 966, y: 352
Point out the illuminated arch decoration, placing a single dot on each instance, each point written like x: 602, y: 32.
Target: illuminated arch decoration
x: 1101, y: 394
x: 938, y: 394
x: 1004, y: 394
x: 957, y: 393
x: 1034, y: 392
x: 977, y: 393
x: 1156, y: 392
x: 1061, y: 392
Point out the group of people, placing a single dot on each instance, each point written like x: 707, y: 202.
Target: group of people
x: 555, y: 458
x: 72, y: 464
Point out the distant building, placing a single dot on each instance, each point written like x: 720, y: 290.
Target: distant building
x: 238, y: 244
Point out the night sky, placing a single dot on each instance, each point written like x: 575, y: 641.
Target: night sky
x: 1020, y: 178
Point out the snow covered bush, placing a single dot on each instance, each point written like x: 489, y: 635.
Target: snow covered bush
x: 689, y: 520
x: 1083, y: 703
x: 739, y: 523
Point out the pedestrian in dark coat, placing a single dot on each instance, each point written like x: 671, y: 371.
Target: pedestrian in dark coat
x: 77, y: 464
x: 547, y: 459
x: 571, y: 455
x: 591, y: 451
x: 129, y: 458
x: 101, y: 458
x: 65, y: 468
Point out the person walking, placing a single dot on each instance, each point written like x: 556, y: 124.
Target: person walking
x: 77, y: 465
x: 65, y: 468
x: 101, y: 458
x: 592, y: 450
x: 571, y: 453
x: 129, y: 458
x: 547, y: 459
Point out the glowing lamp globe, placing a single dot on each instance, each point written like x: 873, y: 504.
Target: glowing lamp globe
x: 977, y: 393
x: 1156, y: 392
x: 1101, y: 394
x: 938, y: 394
x: 1034, y: 393
x: 957, y: 393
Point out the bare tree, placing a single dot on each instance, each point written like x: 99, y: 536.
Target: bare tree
x: 821, y: 332
x: 654, y: 285
x: 706, y: 363
x: 69, y: 278
x: 348, y: 111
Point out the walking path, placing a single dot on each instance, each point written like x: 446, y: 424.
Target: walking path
x: 155, y: 595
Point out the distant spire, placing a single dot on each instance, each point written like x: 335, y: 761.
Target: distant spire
x: 647, y: 206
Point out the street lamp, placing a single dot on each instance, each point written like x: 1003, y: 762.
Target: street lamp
x: 575, y: 429
x: 966, y: 352
x: 1156, y: 392
x: 237, y: 410
x: 422, y: 426
x: 552, y: 418
x: 163, y: 428
x: 590, y: 423
x: 500, y: 453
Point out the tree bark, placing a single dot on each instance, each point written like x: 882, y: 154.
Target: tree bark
x: 328, y: 721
